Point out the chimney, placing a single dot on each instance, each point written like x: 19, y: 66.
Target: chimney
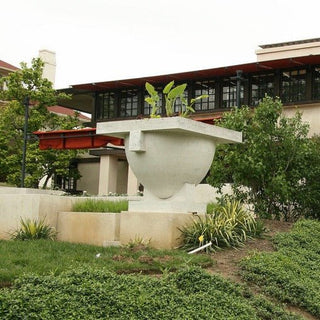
x: 49, y: 68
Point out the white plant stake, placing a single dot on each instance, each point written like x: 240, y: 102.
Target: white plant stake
x: 200, y: 248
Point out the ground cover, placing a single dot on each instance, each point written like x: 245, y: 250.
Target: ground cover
x: 87, y: 293
x: 292, y: 273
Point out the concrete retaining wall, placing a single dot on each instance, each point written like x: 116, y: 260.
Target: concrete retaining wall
x: 92, y: 228
x: 97, y: 228
x: 13, y: 207
x: 159, y: 229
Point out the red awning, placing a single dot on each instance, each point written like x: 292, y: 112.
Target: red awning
x: 74, y: 139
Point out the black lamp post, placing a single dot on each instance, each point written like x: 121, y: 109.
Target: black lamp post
x: 239, y: 79
x: 25, y: 138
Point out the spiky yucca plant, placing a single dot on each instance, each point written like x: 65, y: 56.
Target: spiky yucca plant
x: 229, y: 225
x: 34, y: 229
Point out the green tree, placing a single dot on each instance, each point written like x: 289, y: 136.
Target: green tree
x: 27, y: 82
x: 271, y: 168
x: 309, y: 197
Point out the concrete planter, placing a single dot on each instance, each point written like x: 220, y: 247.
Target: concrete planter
x: 169, y: 156
x: 97, y: 228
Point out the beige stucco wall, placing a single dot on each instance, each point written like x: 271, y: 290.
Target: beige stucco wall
x: 89, y: 180
x: 310, y: 114
x: 206, y: 193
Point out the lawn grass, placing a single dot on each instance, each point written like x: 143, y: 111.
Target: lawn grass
x: 98, y: 205
x: 291, y: 274
x: 52, y: 257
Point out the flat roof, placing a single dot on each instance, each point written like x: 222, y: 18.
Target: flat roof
x: 289, y: 43
x: 83, y: 94
x: 226, y: 71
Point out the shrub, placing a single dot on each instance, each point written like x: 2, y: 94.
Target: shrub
x: 34, y: 229
x: 271, y: 169
x: 228, y: 225
x: 94, y: 205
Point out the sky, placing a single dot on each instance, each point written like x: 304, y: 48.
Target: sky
x: 103, y: 40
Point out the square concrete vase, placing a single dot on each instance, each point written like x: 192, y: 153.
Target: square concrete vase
x: 169, y: 156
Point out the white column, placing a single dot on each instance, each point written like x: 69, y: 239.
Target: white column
x: 108, y: 174
x: 132, y: 186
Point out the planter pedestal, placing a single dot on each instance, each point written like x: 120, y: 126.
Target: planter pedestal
x: 182, y: 202
x: 160, y: 228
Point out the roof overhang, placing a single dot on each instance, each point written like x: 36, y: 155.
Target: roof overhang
x: 83, y: 94
x: 80, y: 100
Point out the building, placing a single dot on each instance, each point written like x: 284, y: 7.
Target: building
x: 289, y: 70
x: 5, y: 69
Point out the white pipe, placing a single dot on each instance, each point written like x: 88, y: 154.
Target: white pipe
x: 200, y: 248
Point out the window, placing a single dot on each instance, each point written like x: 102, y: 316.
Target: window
x: 229, y: 94
x: 105, y: 105
x: 261, y: 85
x: 129, y: 103
x: 316, y: 84
x: 68, y: 183
x: 293, y: 85
x: 207, y: 88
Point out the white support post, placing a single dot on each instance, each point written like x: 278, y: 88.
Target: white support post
x: 108, y: 174
x: 132, y: 185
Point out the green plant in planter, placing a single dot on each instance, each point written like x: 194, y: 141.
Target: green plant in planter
x: 171, y: 94
x: 94, y: 205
